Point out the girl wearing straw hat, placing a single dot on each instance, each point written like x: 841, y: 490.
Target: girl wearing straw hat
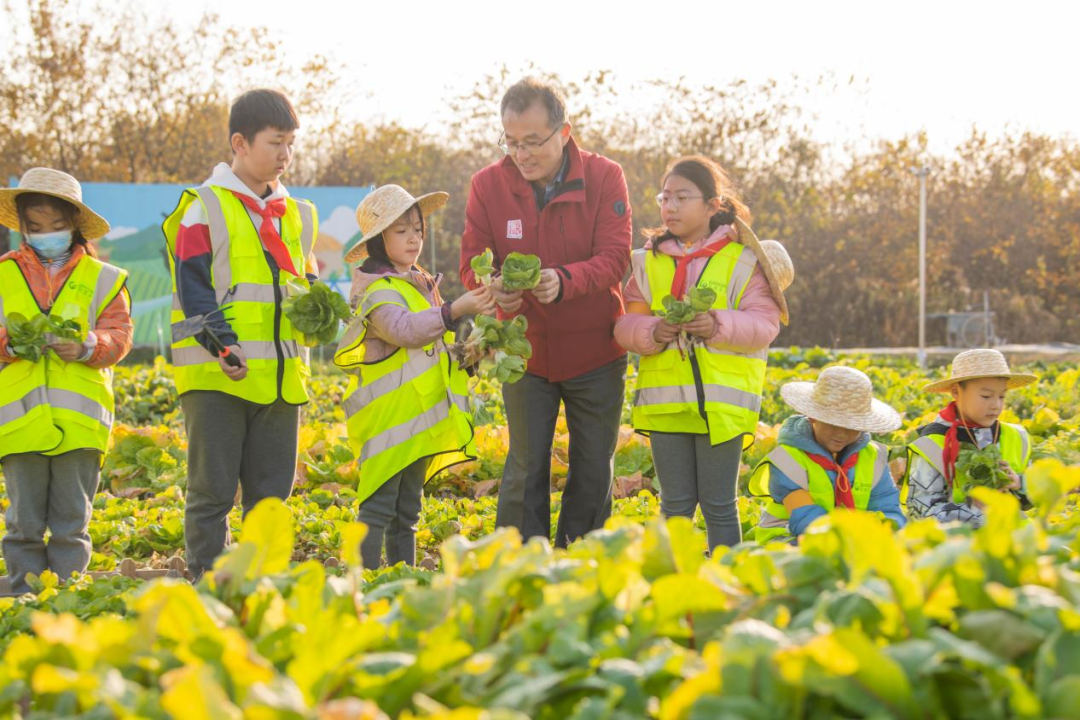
x: 977, y: 383
x: 824, y: 458
x: 699, y: 404
x: 56, y: 406
x: 407, y: 403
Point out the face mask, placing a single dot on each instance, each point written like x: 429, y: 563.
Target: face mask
x: 50, y: 245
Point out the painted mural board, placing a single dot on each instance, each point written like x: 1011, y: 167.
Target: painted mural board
x: 136, y: 242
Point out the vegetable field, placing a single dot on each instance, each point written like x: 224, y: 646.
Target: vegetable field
x: 632, y: 622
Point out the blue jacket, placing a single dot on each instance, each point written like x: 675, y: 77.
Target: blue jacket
x: 797, y: 433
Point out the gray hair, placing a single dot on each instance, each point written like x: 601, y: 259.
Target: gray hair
x: 522, y: 94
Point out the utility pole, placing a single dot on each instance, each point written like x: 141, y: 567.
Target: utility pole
x: 922, y: 173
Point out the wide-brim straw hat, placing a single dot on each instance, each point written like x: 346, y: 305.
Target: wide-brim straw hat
x: 982, y: 363
x: 775, y: 263
x: 844, y: 397
x: 47, y: 181
x: 382, y: 207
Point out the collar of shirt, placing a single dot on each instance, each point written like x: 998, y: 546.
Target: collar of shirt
x: 547, y: 194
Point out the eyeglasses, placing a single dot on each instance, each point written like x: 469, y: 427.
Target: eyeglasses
x: 530, y: 147
x: 677, y: 200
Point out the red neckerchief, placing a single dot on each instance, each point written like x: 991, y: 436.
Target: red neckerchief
x: 951, y: 450
x: 682, y: 265
x: 842, y: 488
x: 269, y: 235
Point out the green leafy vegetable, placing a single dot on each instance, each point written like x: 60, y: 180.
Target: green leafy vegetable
x: 981, y: 468
x: 483, y: 266
x: 520, y: 272
x: 508, y: 368
x: 27, y: 336
x: 504, y: 340
x: 64, y: 324
x: 316, y: 313
x: 680, y: 312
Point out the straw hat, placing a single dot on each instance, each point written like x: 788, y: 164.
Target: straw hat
x: 975, y: 364
x: 775, y: 263
x: 381, y: 209
x: 844, y: 397
x: 59, y: 185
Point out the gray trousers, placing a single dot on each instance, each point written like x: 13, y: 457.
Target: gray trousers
x: 230, y: 442
x: 693, y: 472
x: 53, y: 493
x: 391, y: 513
x: 594, y: 403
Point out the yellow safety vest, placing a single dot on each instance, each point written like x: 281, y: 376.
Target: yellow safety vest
x: 1015, y: 450
x: 52, y: 406
x: 709, y: 391
x: 412, y: 405
x: 808, y: 475
x: 250, y: 294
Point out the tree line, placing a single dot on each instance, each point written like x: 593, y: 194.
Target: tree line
x: 122, y: 96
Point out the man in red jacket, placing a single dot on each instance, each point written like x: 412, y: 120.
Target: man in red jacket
x: 570, y: 208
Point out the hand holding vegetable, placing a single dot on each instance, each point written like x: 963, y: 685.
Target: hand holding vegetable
x: 665, y: 332
x: 68, y: 351
x: 548, y: 288
x: 29, y: 338
x: 984, y: 468
x: 680, y: 312
x: 703, y: 326
x: 510, y: 302
x: 475, y: 302
x: 316, y: 313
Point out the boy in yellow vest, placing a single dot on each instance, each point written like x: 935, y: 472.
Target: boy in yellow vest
x: 825, y: 458
x: 978, y: 384
x: 235, y: 243
x: 56, y: 408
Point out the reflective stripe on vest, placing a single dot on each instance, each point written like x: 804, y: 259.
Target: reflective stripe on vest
x: 411, y: 406
x: 709, y: 390
x: 1014, y: 442
x: 53, y: 406
x: 245, y: 289
x: 797, y: 466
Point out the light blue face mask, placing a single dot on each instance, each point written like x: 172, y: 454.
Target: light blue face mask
x: 50, y: 245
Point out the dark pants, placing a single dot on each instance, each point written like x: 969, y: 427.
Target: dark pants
x: 692, y: 471
x: 594, y: 403
x: 230, y: 442
x: 55, y: 493
x: 391, y: 514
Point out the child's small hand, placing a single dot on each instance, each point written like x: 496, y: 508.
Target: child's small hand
x: 1016, y: 484
x: 475, y: 302
x: 68, y: 351
x: 703, y: 326
x: 665, y: 332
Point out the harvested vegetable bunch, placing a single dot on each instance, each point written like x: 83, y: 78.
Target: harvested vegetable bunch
x: 316, y: 313
x: 504, y: 341
x: 520, y: 272
x: 981, y: 468
x: 483, y: 266
x: 680, y: 312
x: 27, y: 336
